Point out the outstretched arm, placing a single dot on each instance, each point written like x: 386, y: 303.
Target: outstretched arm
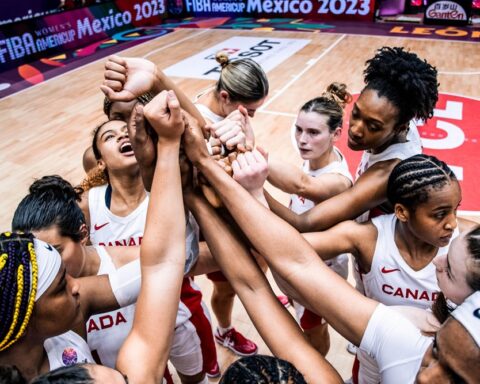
x: 293, y: 180
x: 258, y: 298
x: 284, y: 249
x: 162, y: 253
x: 369, y: 191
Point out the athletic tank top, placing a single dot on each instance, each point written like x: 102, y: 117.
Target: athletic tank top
x: 299, y: 204
x: 106, y: 332
x: 67, y: 349
x: 207, y: 113
x: 391, y: 281
x: 401, y: 151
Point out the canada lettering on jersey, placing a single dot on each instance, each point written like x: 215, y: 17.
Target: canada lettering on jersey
x: 105, y: 321
x: 132, y: 241
x: 407, y: 293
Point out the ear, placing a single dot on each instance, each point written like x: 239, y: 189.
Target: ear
x: 101, y: 164
x: 336, y: 134
x: 401, y: 128
x: 85, y: 234
x: 224, y: 97
x: 402, y: 213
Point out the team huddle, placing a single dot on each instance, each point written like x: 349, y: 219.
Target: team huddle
x: 97, y: 280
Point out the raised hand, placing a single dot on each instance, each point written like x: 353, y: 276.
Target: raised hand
x: 250, y: 169
x: 165, y: 116
x: 127, y: 78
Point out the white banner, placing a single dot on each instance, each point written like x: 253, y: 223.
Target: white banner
x: 268, y: 52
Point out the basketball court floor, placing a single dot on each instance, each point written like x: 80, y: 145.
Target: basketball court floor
x: 46, y: 128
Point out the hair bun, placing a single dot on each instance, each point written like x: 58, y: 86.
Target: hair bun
x: 222, y: 58
x: 338, y: 93
x: 55, y: 185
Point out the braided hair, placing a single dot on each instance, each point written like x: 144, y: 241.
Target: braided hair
x: 261, y: 369
x: 51, y: 201
x: 18, y: 285
x: 412, y: 178
x: 330, y: 103
x: 405, y: 80
x: 77, y: 373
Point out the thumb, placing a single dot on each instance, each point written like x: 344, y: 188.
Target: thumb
x: 263, y: 152
x: 123, y: 95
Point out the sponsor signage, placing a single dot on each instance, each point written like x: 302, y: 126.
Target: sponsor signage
x: 308, y: 9
x: 448, y: 12
x: 28, y: 40
x: 268, y: 52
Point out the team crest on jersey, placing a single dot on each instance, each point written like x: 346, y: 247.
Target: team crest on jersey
x: 69, y: 356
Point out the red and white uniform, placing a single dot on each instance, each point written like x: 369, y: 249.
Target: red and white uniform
x: 107, y: 332
x: 391, y: 281
x: 67, y: 349
x: 109, y: 229
x: 299, y: 205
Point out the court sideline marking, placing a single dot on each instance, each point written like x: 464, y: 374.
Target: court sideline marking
x: 308, y: 66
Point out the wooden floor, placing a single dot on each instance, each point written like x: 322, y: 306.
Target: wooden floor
x: 45, y: 129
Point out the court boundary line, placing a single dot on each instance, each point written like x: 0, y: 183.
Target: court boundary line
x: 103, y: 58
x: 308, y: 66
x: 453, y: 73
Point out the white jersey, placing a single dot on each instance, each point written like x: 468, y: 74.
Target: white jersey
x: 395, y: 344
x: 299, y: 204
x: 207, y: 113
x: 391, y: 280
x: 67, y: 349
x: 401, y: 151
x: 106, y: 332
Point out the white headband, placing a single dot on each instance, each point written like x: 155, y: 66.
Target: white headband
x: 49, y: 262
x: 468, y: 314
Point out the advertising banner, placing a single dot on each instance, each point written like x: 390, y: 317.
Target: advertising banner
x: 268, y: 52
x: 306, y: 9
x: 448, y: 12
x: 28, y: 40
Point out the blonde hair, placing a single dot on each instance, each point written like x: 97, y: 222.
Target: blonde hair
x: 331, y: 103
x: 243, y: 79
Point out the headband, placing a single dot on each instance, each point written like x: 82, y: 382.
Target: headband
x: 49, y: 263
x: 468, y: 314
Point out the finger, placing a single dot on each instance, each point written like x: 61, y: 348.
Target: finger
x: 113, y: 66
x: 229, y: 170
x: 216, y: 150
x: 263, y: 152
x: 235, y: 141
x: 242, y: 161
x: 243, y: 110
x: 115, y: 85
x: 236, y: 167
x: 140, y: 129
x: 112, y: 75
x: 174, y: 106
x: 117, y: 59
x: 232, y: 157
x: 230, y: 126
x: 250, y: 158
x: 235, y: 136
x: 112, y: 95
x: 259, y: 157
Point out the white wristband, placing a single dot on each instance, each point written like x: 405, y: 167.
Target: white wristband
x: 126, y: 282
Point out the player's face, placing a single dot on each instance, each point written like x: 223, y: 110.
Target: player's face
x: 102, y: 374
x: 435, y: 220
x: 451, y: 270
x: 58, y: 309
x: 452, y: 358
x: 372, y: 122
x: 72, y: 252
x: 251, y: 107
x: 121, y: 110
x: 313, y: 136
x: 115, y: 147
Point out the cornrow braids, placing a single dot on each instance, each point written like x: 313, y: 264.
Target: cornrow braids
x: 405, y: 80
x: 18, y: 285
x: 143, y: 99
x: 412, y: 178
x: 261, y: 369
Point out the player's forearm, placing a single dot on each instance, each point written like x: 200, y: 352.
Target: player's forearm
x: 285, y: 177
